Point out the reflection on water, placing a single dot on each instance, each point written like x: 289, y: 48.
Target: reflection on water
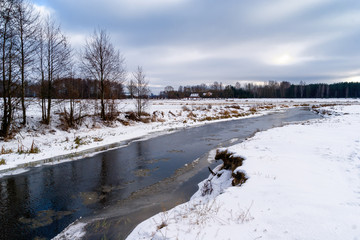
x: 42, y: 202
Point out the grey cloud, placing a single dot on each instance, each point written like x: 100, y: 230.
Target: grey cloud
x: 322, y: 36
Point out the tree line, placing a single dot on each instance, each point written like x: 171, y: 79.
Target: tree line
x: 271, y: 89
x: 37, y: 60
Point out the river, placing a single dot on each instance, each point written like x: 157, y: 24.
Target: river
x: 115, y: 190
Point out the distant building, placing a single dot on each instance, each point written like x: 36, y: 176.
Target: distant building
x: 194, y: 96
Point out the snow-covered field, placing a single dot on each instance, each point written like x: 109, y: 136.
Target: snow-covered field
x: 165, y: 116
x: 303, y: 183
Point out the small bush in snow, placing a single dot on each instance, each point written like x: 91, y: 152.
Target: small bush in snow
x: 2, y: 162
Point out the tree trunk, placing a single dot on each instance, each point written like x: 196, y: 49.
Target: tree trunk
x: 102, y: 89
x: 22, y: 68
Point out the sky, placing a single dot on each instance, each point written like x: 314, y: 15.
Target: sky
x: 190, y: 42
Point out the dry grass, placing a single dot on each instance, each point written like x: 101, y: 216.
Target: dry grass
x: 191, y: 115
x: 5, y: 151
x: 253, y: 110
x: 239, y: 178
x: 125, y: 123
x: 34, y: 148
x: 145, y: 120
x: 97, y: 139
x: 2, y: 162
x: 231, y: 162
x: 80, y: 141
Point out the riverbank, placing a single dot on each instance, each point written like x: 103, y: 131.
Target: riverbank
x: 303, y: 182
x: 38, y: 144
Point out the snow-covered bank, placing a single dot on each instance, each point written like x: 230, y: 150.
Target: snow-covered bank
x: 304, y: 183
x: 165, y: 115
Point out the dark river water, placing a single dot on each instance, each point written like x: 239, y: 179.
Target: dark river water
x: 115, y: 190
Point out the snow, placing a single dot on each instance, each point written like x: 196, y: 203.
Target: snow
x: 57, y: 145
x: 74, y: 231
x: 303, y: 183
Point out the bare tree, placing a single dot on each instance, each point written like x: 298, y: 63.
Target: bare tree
x: 100, y: 61
x: 302, y: 86
x: 26, y: 21
x: 55, y: 57
x: 41, y: 71
x: 8, y: 70
x: 72, y: 115
x: 141, y: 91
x: 131, y: 88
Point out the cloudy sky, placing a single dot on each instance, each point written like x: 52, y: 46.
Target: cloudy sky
x: 188, y: 42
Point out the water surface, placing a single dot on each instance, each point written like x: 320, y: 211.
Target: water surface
x: 123, y: 186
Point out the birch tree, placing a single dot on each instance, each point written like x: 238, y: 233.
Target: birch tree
x: 26, y: 21
x: 142, y: 91
x: 54, y: 60
x: 103, y: 63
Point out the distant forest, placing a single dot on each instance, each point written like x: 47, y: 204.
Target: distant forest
x: 271, y: 89
x: 68, y: 88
